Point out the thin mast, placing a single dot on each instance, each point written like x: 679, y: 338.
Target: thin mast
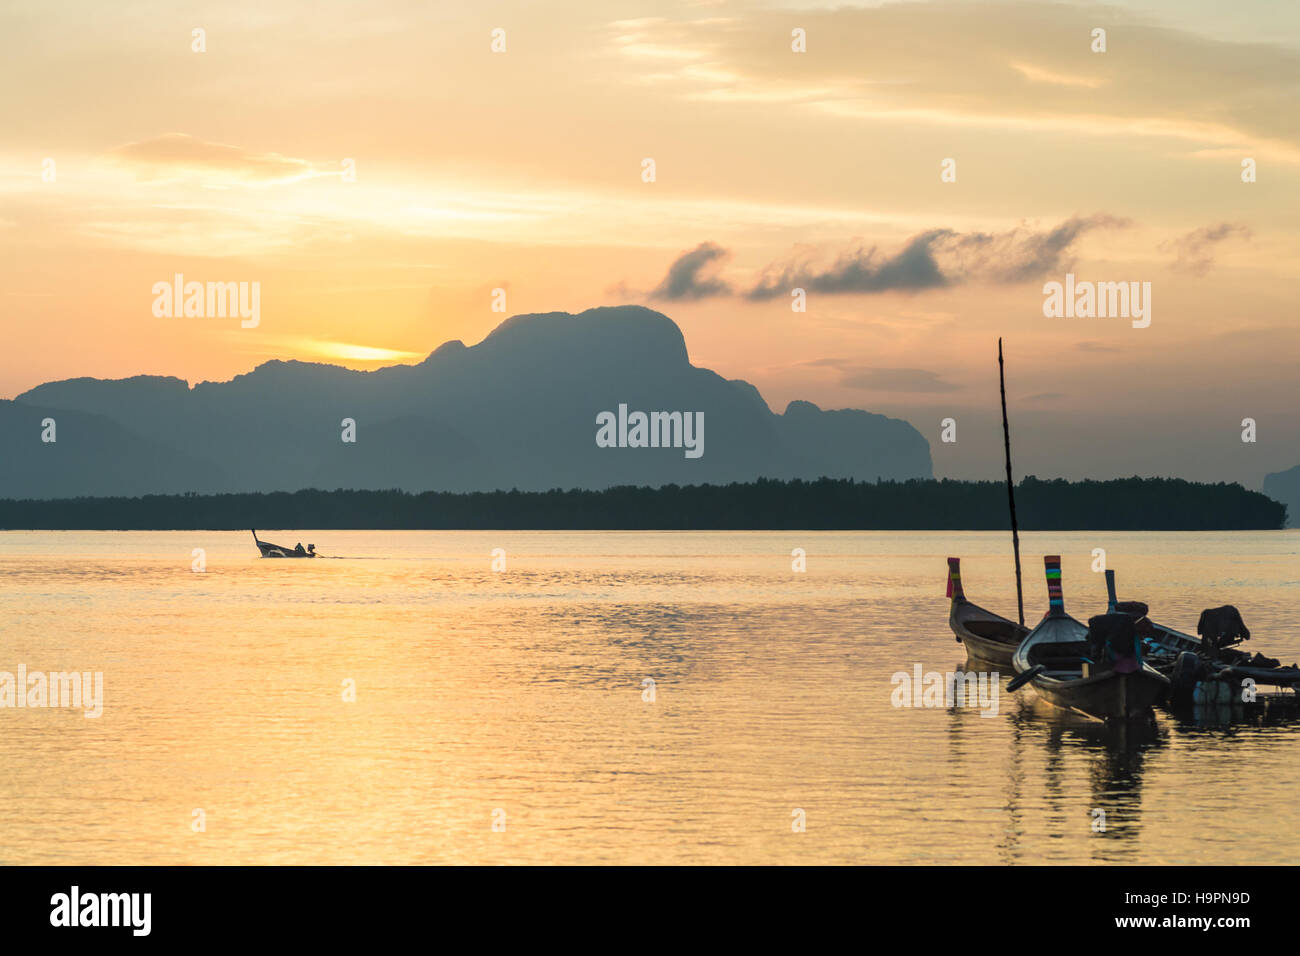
x: 1011, y: 488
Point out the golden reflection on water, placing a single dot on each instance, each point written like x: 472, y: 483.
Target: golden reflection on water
x: 521, y: 692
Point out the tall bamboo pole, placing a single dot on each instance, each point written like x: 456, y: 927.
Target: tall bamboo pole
x: 1011, y: 488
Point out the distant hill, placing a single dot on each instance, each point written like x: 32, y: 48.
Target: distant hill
x: 518, y: 410
x: 1123, y: 504
x: 91, y: 455
x: 1284, y: 486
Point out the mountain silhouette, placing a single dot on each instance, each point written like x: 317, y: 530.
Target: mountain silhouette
x: 90, y: 454
x: 1284, y: 486
x: 518, y: 410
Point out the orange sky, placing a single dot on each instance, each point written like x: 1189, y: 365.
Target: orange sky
x: 522, y: 170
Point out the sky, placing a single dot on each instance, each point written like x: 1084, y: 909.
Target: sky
x: 379, y: 169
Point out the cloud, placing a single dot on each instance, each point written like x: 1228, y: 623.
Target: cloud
x: 938, y: 258
x: 912, y: 268
x: 1195, y: 250
x: 896, y: 380
x: 179, y: 155
x: 872, y: 378
x: 621, y: 292
x: 1038, y: 74
x: 1202, y: 90
x: 686, y: 278
x: 1020, y: 255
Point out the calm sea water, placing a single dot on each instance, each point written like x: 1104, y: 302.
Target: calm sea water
x: 517, y: 697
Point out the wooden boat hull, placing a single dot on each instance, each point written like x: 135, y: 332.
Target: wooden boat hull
x: 270, y: 550
x: 988, y: 637
x: 275, y: 551
x: 1055, y: 658
x: 1107, y: 696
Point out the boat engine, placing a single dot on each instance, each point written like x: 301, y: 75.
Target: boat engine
x: 1221, y: 627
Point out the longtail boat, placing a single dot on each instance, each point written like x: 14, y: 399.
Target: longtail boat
x: 1187, y: 660
x: 270, y: 550
x: 987, y: 636
x: 993, y: 638
x: 1062, y: 662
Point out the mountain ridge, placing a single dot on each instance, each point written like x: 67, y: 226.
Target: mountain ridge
x: 1284, y: 486
x: 516, y: 410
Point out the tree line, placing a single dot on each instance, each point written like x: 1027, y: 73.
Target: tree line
x: 1123, y: 504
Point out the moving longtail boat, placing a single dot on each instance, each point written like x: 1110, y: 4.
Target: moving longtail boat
x: 987, y: 636
x: 1096, y: 670
x: 279, y: 551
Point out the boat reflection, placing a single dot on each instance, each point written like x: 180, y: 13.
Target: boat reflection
x: 1115, y: 754
x: 1065, y: 775
x: 1067, y: 778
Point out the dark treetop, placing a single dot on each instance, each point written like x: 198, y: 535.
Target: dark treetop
x: 1125, y: 504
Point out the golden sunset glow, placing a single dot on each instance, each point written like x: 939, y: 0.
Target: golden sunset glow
x: 359, y: 353
x: 380, y: 171
x: 648, y: 433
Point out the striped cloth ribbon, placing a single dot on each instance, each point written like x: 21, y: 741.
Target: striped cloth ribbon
x: 1055, y: 600
x: 954, y: 580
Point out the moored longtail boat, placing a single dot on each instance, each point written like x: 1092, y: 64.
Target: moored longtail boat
x: 1187, y: 661
x: 1157, y: 639
x: 1057, y: 657
x: 1174, y: 654
x: 987, y: 636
